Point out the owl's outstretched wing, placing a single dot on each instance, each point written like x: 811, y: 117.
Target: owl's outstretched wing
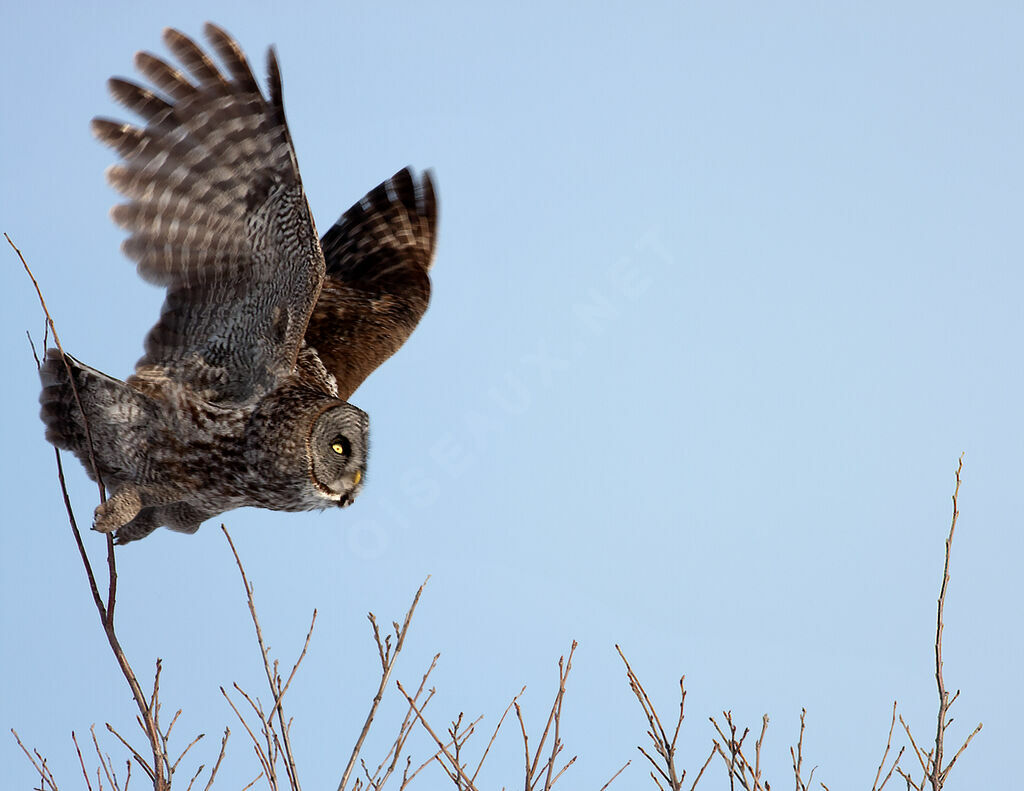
x: 377, y: 284
x: 216, y: 213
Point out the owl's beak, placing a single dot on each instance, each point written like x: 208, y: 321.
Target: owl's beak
x: 350, y: 484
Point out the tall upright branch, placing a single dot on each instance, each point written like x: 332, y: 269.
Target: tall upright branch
x: 937, y: 772
x: 160, y: 766
x: 939, y: 681
x: 933, y: 773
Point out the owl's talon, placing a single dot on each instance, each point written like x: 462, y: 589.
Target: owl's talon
x: 103, y: 522
x: 117, y: 511
x: 106, y: 523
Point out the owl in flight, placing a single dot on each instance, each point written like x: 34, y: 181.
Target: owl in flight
x: 241, y: 398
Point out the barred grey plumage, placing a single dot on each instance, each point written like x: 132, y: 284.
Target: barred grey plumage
x: 241, y: 395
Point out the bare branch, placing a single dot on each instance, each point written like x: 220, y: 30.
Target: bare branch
x: 388, y: 659
x: 494, y: 735
x: 456, y: 770
x: 295, y: 667
x: 254, y: 781
x: 967, y: 741
x: 81, y: 761
x: 264, y: 760
x: 700, y: 774
x: 220, y: 757
x: 191, y: 744
x: 888, y: 746
x: 45, y: 777
x: 138, y: 758
x: 105, y: 760
x: 56, y: 339
x: 105, y: 609
x: 612, y: 779
x: 270, y: 667
x: 935, y: 773
x: 659, y: 738
x: 195, y: 777
x: 556, y: 716
x: 404, y: 729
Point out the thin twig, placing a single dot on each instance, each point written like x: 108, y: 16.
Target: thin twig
x: 456, y: 770
x: 273, y: 680
x: 67, y: 366
x: 295, y: 667
x: 44, y: 773
x: 254, y: 781
x: 388, y: 665
x: 220, y: 757
x: 494, y: 736
x: 195, y: 777
x: 922, y: 758
x: 760, y: 741
x: 700, y: 774
x: 404, y: 729
x: 556, y: 715
x: 81, y: 761
x: 135, y: 754
x: 888, y: 746
x: 612, y: 779
x: 105, y: 760
x: 191, y: 744
x: 255, y: 742
x: 435, y: 757
x: 659, y: 738
x: 526, y: 739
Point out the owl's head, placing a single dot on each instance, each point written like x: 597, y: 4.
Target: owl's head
x: 338, y: 445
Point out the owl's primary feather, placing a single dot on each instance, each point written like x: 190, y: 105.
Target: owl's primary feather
x: 216, y: 213
x: 377, y: 284
x: 241, y: 396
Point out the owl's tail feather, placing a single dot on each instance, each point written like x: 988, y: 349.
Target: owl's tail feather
x: 108, y: 403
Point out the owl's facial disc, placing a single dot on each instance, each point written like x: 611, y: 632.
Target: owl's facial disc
x: 337, y: 447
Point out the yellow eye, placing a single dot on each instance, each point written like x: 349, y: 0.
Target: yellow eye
x: 359, y: 477
x: 338, y: 448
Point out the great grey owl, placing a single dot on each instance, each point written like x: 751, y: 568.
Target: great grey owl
x: 241, y: 398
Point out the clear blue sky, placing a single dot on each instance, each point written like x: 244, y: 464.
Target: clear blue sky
x: 721, y: 295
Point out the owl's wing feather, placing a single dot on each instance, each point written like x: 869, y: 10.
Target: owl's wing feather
x: 215, y: 212
x: 377, y: 287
